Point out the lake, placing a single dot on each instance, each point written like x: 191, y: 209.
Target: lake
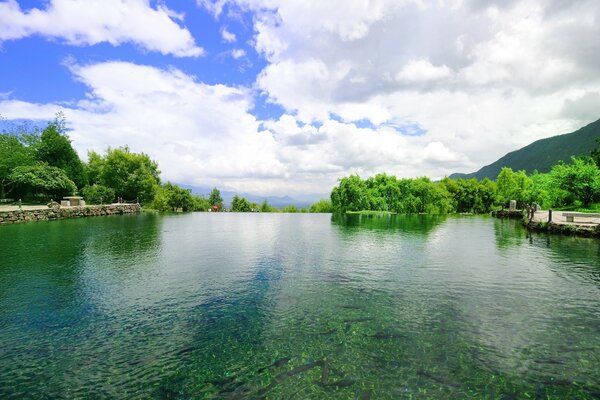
x: 284, y: 306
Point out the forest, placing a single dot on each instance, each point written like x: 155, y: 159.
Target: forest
x: 568, y: 186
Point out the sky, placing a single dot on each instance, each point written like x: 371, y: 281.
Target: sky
x: 275, y: 97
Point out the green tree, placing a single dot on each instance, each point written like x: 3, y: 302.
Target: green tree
x: 290, y: 209
x: 55, y: 149
x: 13, y: 153
x: 200, y: 203
x: 170, y: 197
x: 513, y: 186
x: 596, y: 154
x: 215, y: 199
x: 41, y: 179
x: 240, y: 204
x: 266, y: 207
x: 130, y: 175
x: 580, y: 179
x: 98, y: 194
x: 350, y: 195
x: 94, y: 167
x: 321, y: 206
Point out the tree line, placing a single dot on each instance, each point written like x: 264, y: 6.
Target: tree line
x: 38, y: 165
x: 573, y: 185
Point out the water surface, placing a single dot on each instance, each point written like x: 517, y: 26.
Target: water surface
x: 296, y: 306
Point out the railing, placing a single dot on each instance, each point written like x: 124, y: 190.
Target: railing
x: 120, y: 200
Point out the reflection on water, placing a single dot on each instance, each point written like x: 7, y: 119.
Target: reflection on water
x: 297, y: 306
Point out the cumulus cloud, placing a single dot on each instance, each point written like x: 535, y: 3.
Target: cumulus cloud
x: 482, y: 77
x: 205, y: 135
x: 88, y: 22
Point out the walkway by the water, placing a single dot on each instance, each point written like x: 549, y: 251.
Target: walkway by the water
x: 560, y: 218
x: 24, y: 208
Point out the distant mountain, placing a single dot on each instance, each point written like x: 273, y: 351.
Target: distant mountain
x: 541, y: 155
x: 276, y: 201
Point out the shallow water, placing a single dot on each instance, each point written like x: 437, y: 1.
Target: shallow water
x: 296, y: 306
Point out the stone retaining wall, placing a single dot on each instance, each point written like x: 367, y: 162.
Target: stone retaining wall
x: 19, y: 216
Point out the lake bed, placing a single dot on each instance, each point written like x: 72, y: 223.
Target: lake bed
x: 211, y: 305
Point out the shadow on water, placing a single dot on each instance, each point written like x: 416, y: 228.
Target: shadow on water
x: 227, y: 341
x: 388, y: 223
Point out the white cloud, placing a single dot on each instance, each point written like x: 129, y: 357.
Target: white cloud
x: 88, y: 22
x: 205, y: 134
x: 482, y: 77
x: 227, y: 36
x: 422, y: 71
x: 238, y: 53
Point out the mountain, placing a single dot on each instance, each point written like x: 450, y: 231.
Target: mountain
x: 302, y: 201
x: 541, y: 155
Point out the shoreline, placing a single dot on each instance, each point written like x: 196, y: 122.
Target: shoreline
x: 43, y: 213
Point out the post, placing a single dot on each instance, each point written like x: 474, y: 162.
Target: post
x: 19, y: 204
x: 549, y: 215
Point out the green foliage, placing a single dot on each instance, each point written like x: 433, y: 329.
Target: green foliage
x: 13, y: 153
x: 321, y: 206
x: 130, y: 175
x: 98, y: 194
x: 350, y: 195
x: 471, y: 195
x: 171, y: 197
x: 41, y: 179
x: 596, y: 153
x: 513, y: 186
x: 290, y: 209
x: 580, y: 179
x: 387, y: 193
x: 241, y: 204
x: 215, y: 200
x: 200, y: 203
x: 266, y: 207
x: 55, y: 149
x: 94, y: 167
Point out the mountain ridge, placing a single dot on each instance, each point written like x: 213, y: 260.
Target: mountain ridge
x: 542, y: 154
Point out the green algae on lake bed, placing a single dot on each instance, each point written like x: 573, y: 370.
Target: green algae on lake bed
x: 297, y: 306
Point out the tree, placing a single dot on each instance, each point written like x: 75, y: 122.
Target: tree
x: 56, y: 150
x: 266, y: 207
x: 200, y: 203
x: 240, y: 204
x: 42, y: 179
x: 170, y: 197
x: 321, y: 206
x: 350, y: 195
x: 290, y: 209
x: 98, y: 194
x: 215, y: 199
x: 13, y: 153
x: 94, y: 167
x: 130, y: 175
x: 581, y: 179
x: 513, y: 185
x: 596, y: 154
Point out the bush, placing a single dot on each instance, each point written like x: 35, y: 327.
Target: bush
x: 98, y: 194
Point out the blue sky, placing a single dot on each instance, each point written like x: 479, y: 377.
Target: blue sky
x: 277, y: 97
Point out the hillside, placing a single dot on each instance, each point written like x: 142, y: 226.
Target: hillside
x: 541, y: 155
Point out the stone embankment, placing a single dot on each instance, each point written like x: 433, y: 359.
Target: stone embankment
x: 48, y: 214
x: 564, y: 222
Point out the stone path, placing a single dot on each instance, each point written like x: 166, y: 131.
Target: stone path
x: 560, y: 219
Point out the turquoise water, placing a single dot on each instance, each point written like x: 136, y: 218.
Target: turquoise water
x: 284, y: 306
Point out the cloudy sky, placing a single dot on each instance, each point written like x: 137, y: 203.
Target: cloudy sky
x: 287, y: 96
